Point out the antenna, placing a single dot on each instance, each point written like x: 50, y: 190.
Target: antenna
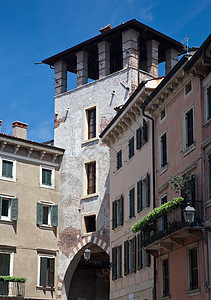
x: 186, y: 40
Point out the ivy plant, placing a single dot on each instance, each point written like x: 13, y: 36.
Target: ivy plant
x: 157, y: 213
x: 12, y: 279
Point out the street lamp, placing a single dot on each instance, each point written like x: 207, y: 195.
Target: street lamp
x: 87, y: 254
x: 189, y: 213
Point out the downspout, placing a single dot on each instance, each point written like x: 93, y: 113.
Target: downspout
x: 153, y: 182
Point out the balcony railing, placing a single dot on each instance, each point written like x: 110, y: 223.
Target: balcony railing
x: 169, y: 223
x: 8, y: 288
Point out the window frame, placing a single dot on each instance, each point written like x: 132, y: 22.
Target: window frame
x: 117, y: 212
x: 143, y: 189
x: 187, y: 93
x: 48, y: 256
x: 84, y: 228
x: 52, y: 186
x: 142, y: 135
x: 13, y: 178
x: 189, y: 267
x: 50, y: 206
x: 206, y: 86
x: 163, y: 166
x: 164, y: 278
x: 130, y: 252
x: 208, y: 174
x: 164, y: 117
x: 86, y: 123
x: 117, y: 262
x: 131, y: 148
x: 186, y: 129
x: 118, y: 160
x: 12, y: 208
x: 131, y: 206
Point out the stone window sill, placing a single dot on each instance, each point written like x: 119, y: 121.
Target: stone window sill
x: 90, y: 141
x: 89, y: 196
x: 46, y: 227
x: 45, y: 288
x: 193, y: 292
x: 189, y: 149
x: 164, y: 169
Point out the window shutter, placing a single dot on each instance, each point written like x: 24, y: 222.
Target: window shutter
x: 39, y: 213
x: 0, y: 205
x: 114, y: 263
x: 120, y: 260
x: 145, y: 136
x: 138, y: 138
x: 121, y: 210
x: 49, y: 175
x: 148, y: 259
x: 51, y: 274
x: 139, y: 196
x: 139, y: 250
x: 134, y: 253
x: 4, y: 169
x: 43, y: 271
x: 14, y: 209
x: 113, y: 215
x: 54, y: 215
x: 148, y: 190
x: 126, y: 258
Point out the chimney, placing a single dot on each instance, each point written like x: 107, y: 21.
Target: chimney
x: 0, y: 124
x: 105, y: 28
x: 19, y: 129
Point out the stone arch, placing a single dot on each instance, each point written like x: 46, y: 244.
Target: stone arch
x: 74, y: 258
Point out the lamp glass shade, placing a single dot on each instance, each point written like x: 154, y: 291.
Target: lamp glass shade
x: 189, y: 214
x: 87, y: 254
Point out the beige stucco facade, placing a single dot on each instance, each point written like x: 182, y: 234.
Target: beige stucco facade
x: 21, y: 237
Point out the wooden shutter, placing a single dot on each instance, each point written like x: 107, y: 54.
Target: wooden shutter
x: 91, y: 178
x: 54, y: 215
x: 48, y: 179
x: 51, y: 272
x: 0, y: 206
x: 114, y: 263
x: 139, y: 251
x: 139, y: 196
x: 145, y: 135
x: 148, y: 190
x: 126, y: 270
x: 138, y: 138
x: 39, y: 213
x: 134, y: 253
x: 92, y: 123
x: 14, y: 209
x: 114, y: 223
x: 43, y: 271
x: 121, y: 210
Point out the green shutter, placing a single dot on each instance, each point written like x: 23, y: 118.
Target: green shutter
x: 54, y: 215
x: 139, y: 196
x: 134, y: 253
x: 14, y: 209
x: 121, y: 210
x: 145, y: 136
x: 148, y: 190
x: 114, y: 263
x: 126, y: 258
x: 138, y: 138
x: 51, y: 274
x: 114, y: 215
x: 39, y: 213
x: 0, y: 206
x: 43, y: 271
x: 139, y: 250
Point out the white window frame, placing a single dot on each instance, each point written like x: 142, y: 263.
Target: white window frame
x: 52, y: 186
x: 161, y: 120
x: 187, y: 94
x: 85, y: 127
x: 11, y: 253
x: 185, y: 137
x: 13, y: 169
x: 163, y: 168
x: 84, y: 231
x: 206, y: 84
x: 3, y: 218
x: 39, y: 265
x: 84, y: 192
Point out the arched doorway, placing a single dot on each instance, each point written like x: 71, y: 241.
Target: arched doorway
x: 90, y: 280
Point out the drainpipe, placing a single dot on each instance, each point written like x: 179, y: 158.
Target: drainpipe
x: 153, y: 182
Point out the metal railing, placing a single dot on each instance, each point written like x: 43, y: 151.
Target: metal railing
x: 8, y: 288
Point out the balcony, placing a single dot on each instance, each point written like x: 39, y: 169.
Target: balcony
x: 9, y: 288
x: 160, y: 230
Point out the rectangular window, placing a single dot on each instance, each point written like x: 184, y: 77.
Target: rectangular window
x: 189, y: 191
x: 141, y: 135
x: 144, y: 258
x: 7, y: 169
x: 90, y: 223
x: 209, y: 176
x: 117, y: 212
x: 189, y: 128
x: 8, y: 209
x: 91, y: 177
x: 165, y: 270
x: 163, y: 150
x: 4, y: 271
x: 188, y: 88
x: 162, y: 114
x: 117, y: 262
x: 46, y: 177
x: 47, y: 265
x: 132, y: 203
x: 208, y: 103
x: 47, y: 215
x: 119, y: 160
x: 91, y: 118
x: 143, y: 193
x: 131, y: 148
x: 193, y: 263
x: 130, y: 256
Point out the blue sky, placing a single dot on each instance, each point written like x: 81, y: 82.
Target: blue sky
x: 32, y: 30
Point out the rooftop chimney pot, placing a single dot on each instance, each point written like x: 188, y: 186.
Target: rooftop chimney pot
x: 105, y: 28
x: 19, y: 129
